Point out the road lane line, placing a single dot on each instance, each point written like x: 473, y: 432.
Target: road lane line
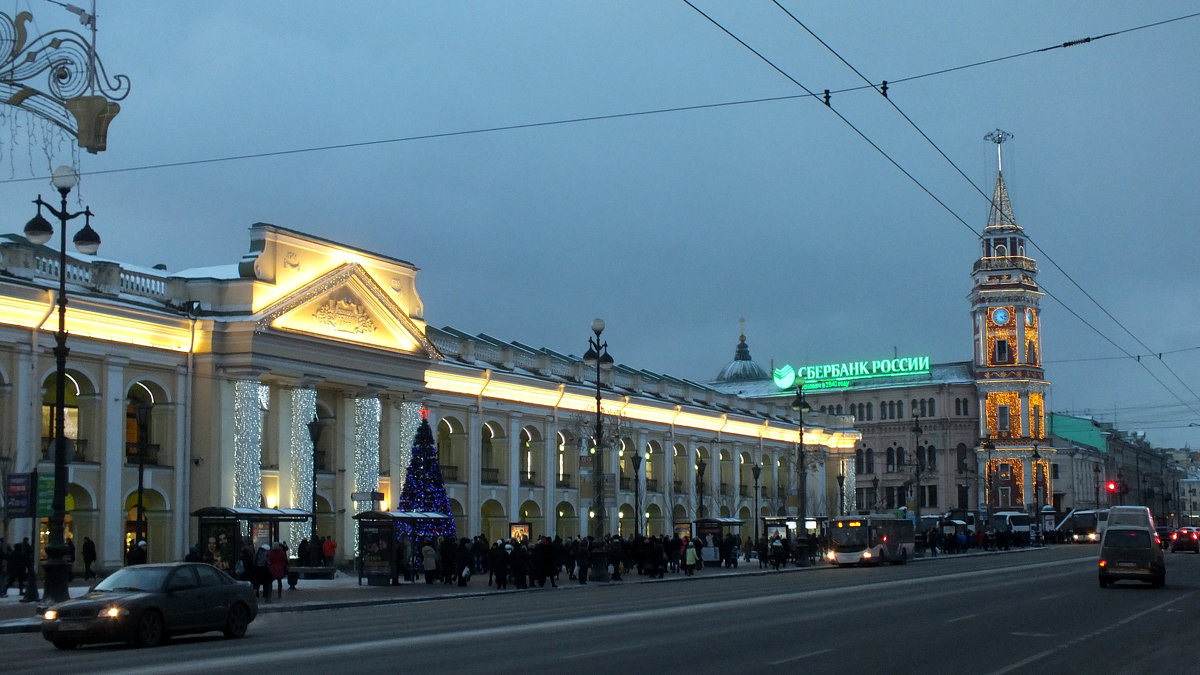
x: 1043, y: 654
x: 962, y: 618
x: 801, y: 656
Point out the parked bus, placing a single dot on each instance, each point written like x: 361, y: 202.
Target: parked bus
x: 873, y: 539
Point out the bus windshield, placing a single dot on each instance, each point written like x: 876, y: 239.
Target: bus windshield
x: 850, y: 534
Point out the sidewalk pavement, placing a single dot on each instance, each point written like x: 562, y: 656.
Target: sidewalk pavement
x: 344, y: 590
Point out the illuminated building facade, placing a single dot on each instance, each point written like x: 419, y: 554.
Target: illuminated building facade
x: 235, y: 362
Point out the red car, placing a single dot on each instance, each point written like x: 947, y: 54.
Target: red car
x: 1186, y: 539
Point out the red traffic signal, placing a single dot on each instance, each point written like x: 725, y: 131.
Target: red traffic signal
x: 1112, y: 486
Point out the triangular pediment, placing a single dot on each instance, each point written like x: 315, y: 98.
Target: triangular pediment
x: 348, y: 305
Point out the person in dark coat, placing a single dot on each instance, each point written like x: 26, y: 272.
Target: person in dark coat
x: 89, y: 558
x: 498, y: 560
x: 463, y: 561
x: 138, y: 555
x: 519, y: 562
x: 583, y: 557
x: 447, y: 554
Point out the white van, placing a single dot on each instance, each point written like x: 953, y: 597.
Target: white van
x: 1138, y: 516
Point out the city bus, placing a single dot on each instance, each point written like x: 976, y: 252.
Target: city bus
x: 871, y: 539
x: 1083, y: 526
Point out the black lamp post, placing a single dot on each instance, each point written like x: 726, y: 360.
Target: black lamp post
x: 700, y: 467
x: 757, y: 471
x: 801, y: 406
x: 918, y: 465
x: 990, y: 447
x: 39, y: 231
x: 314, y: 432
x: 1037, y: 494
x: 637, y: 496
x: 141, y: 411
x: 875, y: 489
x: 597, y: 355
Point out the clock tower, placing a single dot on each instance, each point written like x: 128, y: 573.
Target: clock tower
x: 1006, y: 318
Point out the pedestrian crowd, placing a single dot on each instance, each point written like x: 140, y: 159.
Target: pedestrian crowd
x: 523, y: 563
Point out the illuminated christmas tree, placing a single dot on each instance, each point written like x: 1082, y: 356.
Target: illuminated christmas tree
x: 424, y: 489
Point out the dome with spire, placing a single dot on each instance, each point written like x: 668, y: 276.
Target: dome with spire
x: 742, y: 368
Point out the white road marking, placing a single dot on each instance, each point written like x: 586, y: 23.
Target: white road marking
x: 801, y: 656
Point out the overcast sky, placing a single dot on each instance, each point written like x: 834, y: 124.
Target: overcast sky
x: 673, y: 225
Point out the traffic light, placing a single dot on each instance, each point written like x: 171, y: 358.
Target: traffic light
x: 1112, y: 487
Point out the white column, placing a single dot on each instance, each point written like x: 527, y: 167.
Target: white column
x: 110, y: 452
x: 474, y: 474
x: 181, y: 506
x: 514, y: 467
x: 549, y: 471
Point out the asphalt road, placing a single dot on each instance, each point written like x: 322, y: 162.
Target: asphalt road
x: 1032, y: 611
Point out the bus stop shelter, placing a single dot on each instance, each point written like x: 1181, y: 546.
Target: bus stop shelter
x: 711, y: 531
x: 378, y: 540
x: 224, y: 530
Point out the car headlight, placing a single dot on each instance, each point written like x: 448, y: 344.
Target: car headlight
x: 50, y: 615
x: 831, y: 555
x: 112, y: 612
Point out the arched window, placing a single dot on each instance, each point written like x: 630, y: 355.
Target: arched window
x: 900, y: 460
x: 891, y: 410
x: 839, y: 409
x: 921, y: 456
x: 930, y: 458
x: 914, y: 406
x: 962, y: 458
x: 870, y: 461
x: 858, y: 461
x: 870, y: 411
x: 891, y: 459
x: 899, y: 410
x: 932, y: 412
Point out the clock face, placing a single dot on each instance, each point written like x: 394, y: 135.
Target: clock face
x: 1000, y: 316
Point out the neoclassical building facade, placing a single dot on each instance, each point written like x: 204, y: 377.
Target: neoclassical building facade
x: 233, y: 363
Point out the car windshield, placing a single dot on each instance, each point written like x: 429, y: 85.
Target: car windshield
x: 1127, y: 539
x: 136, y: 578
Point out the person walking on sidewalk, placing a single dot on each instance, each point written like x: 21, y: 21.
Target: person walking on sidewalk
x: 328, y: 549
x: 429, y: 561
x: 277, y: 566
x: 690, y: 557
x: 261, y: 573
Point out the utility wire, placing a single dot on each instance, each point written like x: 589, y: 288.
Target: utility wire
x: 882, y: 89
x: 575, y: 120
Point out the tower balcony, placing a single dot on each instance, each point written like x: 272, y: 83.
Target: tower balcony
x: 1007, y: 262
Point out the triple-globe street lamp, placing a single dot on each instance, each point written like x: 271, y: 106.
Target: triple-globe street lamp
x: 38, y: 231
x: 597, y: 356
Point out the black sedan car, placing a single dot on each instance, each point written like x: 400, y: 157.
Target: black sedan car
x: 144, y: 604
x: 1186, y: 539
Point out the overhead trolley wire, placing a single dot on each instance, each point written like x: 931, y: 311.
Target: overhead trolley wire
x: 882, y: 89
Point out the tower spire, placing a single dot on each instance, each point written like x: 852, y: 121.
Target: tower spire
x: 1001, y: 213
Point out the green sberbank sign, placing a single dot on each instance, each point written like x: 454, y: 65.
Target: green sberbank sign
x: 834, y: 375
